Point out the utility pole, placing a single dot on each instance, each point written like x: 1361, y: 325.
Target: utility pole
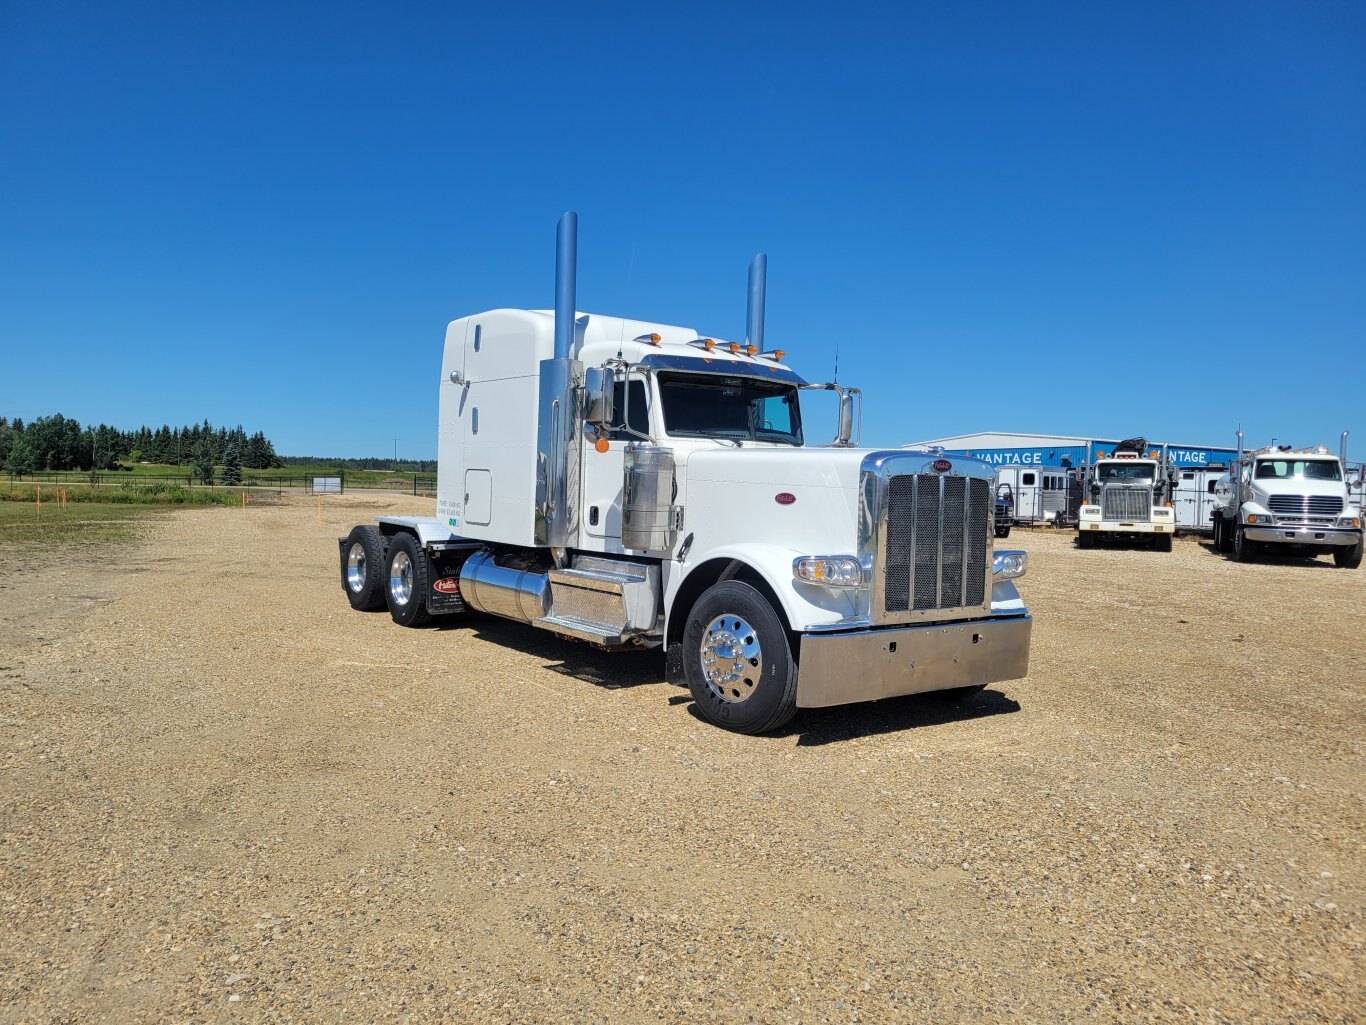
x: 396, y: 441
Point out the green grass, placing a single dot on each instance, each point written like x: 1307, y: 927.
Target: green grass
x: 84, y: 523
x: 296, y: 474
x: 123, y: 493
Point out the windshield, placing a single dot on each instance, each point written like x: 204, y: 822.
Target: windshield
x: 1305, y: 469
x: 703, y: 406
x: 1126, y: 473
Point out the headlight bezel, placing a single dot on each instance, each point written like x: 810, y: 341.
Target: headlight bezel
x: 1010, y: 564
x: 838, y: 572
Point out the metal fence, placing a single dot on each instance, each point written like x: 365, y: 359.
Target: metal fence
x: 422, y: 484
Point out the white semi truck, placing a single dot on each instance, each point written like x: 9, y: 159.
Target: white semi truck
x: 1127, y: 494
x: 1292, y: 501
x: 633, y: 485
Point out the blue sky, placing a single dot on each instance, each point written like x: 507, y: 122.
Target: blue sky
x: 1077, y: 218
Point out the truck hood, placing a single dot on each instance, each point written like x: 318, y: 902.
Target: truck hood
x: 818, y: 467
x: 773, y: 466
x: 1299, y: 486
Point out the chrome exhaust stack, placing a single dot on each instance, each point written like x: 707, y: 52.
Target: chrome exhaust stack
x: 1238, y: 472
x: 1342, y: 452
x: 754, y: 312
x: 557, y: 440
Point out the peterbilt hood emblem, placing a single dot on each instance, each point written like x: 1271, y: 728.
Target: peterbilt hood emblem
x: 941, y: 466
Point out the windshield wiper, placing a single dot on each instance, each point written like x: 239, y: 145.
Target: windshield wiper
x: 717, y: 435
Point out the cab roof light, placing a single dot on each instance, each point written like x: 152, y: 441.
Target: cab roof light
x: 653, y: 338
x: 704, y: 343
x: 734, y: 348
x: 773, y: 354
x: 750, y: 350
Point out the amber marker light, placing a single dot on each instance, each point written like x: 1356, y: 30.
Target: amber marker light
x: 601, y: 445
x: 750, y: 350
x: 734, y: 347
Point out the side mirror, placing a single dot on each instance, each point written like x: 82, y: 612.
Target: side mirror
x: 597, y: 390
x: 846, y: 424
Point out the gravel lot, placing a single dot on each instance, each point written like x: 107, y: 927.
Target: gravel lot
x: 225, y: 796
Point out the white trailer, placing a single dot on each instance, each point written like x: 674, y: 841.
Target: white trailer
x: 1291, y: 501
x: 633, y: 484
x: 1039, y: 493
x: 1193, y: 497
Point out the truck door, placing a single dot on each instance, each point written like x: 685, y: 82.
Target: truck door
x: 603, y: 471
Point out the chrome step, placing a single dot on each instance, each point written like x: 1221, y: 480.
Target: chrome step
x: 606, y: 601
x: 583, y: 629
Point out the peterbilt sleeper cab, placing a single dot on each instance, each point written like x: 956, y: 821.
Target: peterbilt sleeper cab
x: 631, y: 484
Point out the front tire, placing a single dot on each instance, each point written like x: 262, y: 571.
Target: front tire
x: 737, y: 660
x: 1163, y: 543
x: 1348, y: 558
x: 1223, y: 535
x: 362, y: 569
x: 1003, y: 531
x: 407, y: 578
x: 1244, y: 549
x: 1085, y: 540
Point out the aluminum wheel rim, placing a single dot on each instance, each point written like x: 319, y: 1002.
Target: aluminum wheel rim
x: 401, y: 578
x: 355, y: 567
x: 732, y: 659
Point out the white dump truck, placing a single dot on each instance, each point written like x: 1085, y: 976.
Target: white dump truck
x: 1291, y: 501
x: 1127, y: 493
x: 632, y: 484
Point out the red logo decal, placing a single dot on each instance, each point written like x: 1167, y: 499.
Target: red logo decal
x: 942, y: 466
x: 446, y: 585
x: 783, y: 498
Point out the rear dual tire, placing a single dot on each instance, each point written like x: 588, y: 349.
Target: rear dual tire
x: 363, y: 568
x: 407, y: 578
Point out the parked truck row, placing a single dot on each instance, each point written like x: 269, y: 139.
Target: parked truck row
x: 633, y: 484
x: 1275, y: 500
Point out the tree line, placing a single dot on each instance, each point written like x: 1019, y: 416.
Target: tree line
x: 371, y: 463
x: 59, y: 443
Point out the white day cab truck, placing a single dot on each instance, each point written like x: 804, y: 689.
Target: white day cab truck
x: 1127, y: 494
x: 1288, y: 501
x: 634, y: 485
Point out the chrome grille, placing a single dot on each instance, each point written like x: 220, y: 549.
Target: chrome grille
x: 1128, y: 504
x: 936, y: 549
x: 1305, y: 505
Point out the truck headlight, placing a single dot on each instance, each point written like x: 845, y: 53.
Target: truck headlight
x: 1350, y: 521
x: 1264, y: 519
x: 1009, y: 565
x: 829, y: 570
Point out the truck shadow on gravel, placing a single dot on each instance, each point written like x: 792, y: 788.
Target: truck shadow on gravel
x: 1264, y: 558
x: 815, y: 727
x: 614, y: 670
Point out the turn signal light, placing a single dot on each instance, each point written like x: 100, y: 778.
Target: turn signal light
x: 601, y: 445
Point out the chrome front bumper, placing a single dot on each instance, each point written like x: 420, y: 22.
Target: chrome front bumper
x: 868, y: 665
x: 1344, y: 536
